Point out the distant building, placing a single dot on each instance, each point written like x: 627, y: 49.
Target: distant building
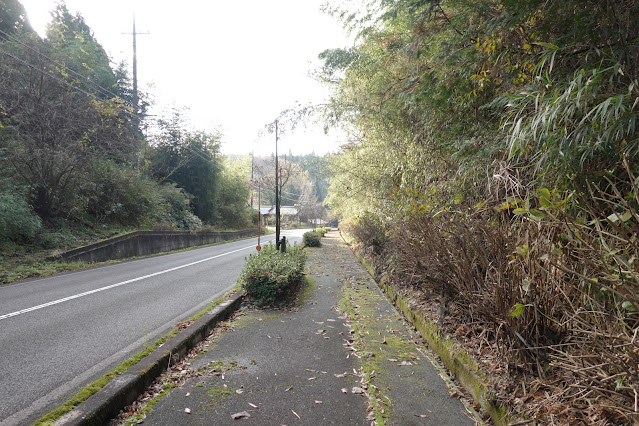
x: 287, y: 213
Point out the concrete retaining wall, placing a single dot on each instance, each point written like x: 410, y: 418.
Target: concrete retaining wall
x: 142, y: 243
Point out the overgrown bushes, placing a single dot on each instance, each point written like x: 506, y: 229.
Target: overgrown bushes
x: 18, y: 222
x: 270, y: 276
x: 550, y: 279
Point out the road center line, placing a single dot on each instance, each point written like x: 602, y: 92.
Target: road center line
x: 97, y: 290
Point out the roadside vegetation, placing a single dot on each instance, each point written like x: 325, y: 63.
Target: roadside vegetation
x: 270, y: 277
x: 314, y: 238
x: 491, y: 173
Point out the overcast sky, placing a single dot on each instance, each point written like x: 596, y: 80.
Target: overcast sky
x: 235, y: 65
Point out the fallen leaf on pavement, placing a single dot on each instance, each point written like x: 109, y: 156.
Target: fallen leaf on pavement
x: 340, y: 375
x: 421, y: 415
x: 288, y: 388
x: 405, y: 363
x: 357, y: 391
x: 392, y: 359
x: 371, y: 416
x: 239, y: 391
x: 252, y: 405
x: 241, y: 415
x: 297, y: 415
x: 188, y: 394
x: 345, y: 390
x: 318, y: 402
x: 311, y: 378
x: 187, y: 410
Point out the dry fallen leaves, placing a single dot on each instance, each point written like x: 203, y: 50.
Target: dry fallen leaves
x: 187, y: 410
x: 241, y: 415
x: 296, y: 415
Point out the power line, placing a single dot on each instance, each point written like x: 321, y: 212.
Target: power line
x: 62, y: 80
x: 100, y: 88
x: 36, y: 68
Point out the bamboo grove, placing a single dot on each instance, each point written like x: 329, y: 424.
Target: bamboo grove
x: 492, y: 166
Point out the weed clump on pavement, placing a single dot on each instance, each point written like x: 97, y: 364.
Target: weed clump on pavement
x: 271, y: 276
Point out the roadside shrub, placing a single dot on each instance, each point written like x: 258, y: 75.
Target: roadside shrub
x: 322, y: 230
x: 312, y: 239
x: 18, y: 222
x: 270, y: 276
x: 178, y: 213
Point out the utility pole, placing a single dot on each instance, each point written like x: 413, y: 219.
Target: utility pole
x: 135, y: 97
x: 252, y: 181
x: 277, y: 195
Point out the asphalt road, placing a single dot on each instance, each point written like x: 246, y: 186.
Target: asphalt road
x: 60, y: 333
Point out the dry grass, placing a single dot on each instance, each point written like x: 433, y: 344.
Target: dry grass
x: 552, y: 301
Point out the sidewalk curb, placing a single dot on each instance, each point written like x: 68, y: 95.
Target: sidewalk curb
x: 458, y: 362
x: 125, y: 388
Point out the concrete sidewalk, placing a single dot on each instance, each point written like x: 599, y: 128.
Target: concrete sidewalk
x: 343, y: 356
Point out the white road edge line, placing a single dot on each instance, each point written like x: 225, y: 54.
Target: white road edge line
x: 97, y: 290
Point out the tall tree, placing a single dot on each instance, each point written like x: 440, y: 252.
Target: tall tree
x: 191, y: 161
x: 80, y: 52
x: 13, y: 18
x: 54, y: 129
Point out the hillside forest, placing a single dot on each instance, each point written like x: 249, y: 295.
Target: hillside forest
x: 491, y: 175
x: 79, y: 161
